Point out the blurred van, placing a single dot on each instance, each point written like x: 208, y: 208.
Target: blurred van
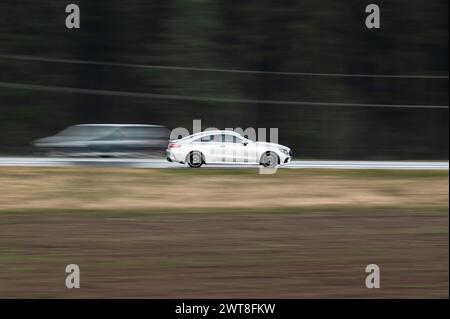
x: 106, y: 140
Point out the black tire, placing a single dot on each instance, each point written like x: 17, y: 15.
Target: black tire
x: 270, y: 159
x: 195, y: 159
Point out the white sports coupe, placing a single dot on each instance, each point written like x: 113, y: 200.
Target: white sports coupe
x: 226, y: 147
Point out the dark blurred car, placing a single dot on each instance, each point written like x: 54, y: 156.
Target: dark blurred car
x: 106, y: 140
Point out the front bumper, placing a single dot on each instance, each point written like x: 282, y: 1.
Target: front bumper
x: 285, y: 158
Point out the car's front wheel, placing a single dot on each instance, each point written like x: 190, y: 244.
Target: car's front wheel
x: 269, y: 159
x: 195, y: 159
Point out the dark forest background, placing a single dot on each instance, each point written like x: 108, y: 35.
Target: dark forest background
x: 325, y: 36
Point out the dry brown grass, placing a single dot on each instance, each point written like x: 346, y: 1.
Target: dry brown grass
x: 111, y: 188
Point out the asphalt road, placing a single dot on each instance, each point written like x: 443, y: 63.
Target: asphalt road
x: 161, y: 163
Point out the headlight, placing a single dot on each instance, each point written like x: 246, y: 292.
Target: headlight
x: 284, y: 151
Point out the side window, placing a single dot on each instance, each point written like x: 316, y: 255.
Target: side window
x: 113, y: 136
x: 216, y: 138
x: 219, y: 138
x: 232, y: 139
x: 205, y: 139
x: 132, y: 132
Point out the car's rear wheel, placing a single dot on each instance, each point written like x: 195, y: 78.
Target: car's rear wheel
x: 269, y: 159
x: 195, y: 159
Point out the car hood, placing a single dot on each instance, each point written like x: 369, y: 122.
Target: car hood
x: 272, y: 145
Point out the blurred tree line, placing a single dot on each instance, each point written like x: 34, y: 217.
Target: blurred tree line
x: 323, y: 36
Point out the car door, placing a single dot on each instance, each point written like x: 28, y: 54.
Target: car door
x: 211, y: 147
x: 237, y: 150
x: 134, y: 139
x: 117, y: 142
x: 225, y: 148
x: 104, y: 139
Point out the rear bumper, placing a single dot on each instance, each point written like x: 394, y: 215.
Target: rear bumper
x: 172, y: 156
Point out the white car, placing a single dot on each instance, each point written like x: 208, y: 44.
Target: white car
x: 226, y: 147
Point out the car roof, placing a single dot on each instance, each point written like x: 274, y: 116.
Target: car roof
x: 211, y: 133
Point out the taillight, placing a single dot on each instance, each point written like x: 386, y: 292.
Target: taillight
x: 173, y: 145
